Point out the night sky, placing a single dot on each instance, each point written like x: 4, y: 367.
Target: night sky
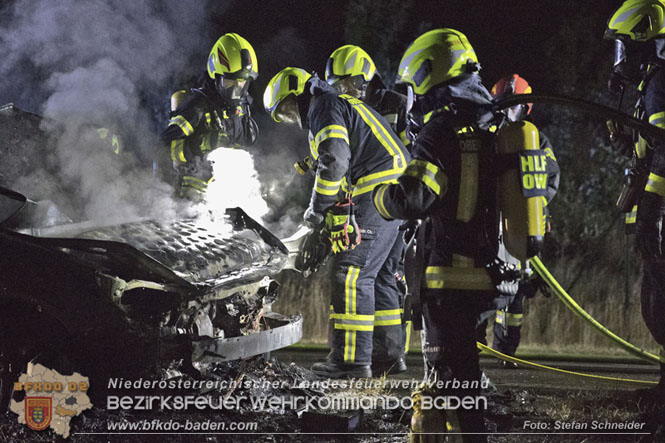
x: 508, y: 36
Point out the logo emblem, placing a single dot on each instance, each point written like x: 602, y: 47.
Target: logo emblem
x: 38, y: 412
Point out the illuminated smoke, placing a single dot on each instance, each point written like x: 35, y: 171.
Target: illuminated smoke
x: 89, y: 64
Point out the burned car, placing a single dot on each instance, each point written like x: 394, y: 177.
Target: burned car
x: 129, y: 299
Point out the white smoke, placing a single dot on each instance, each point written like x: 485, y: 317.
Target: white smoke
x: 89, y: 64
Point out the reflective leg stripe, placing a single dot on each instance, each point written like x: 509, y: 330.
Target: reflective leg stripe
x: 388, y: 317
x: 177, y: 151
x: 326, y: 187
x: 183, y: 124
x: 514, y: 319
x: 350, y: 290
x: 429, y: 174
x: 631, y: 217
x: 350, y: 346
x: 407, y: 330
x: 656, y: 184
x: 330, y: 131
x: 351, y: 322
x: 443, y: 277
x: 468, y: 190
x: 378, y: 202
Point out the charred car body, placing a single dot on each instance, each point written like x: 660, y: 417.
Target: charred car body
x: 128, y: 299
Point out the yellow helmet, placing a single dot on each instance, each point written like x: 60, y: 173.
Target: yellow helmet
x: 349, y: 61
x: 436, y: 57
x: 640, y: 20
x: 233, y: 57
x: 286, y: 82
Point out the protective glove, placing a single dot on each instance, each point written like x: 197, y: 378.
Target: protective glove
x: 312, y: 218
x: 621, y: 138
x: 648, y: 226
x: 343, y: 230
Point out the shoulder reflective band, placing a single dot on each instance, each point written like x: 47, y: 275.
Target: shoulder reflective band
x: 379, y: 131
x: 378, y: 201
x: 183, y: 124
x: 656, y: 184
x: 577, y: 309
x: 330, y: 131
x: 521, y: 362
x: 326, y: 187
x: 429, y: 174
x: 444, y: 277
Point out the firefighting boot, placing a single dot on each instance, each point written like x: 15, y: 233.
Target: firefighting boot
x: 331, y: 369
x: 379, y: 368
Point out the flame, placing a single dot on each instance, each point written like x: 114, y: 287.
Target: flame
x: 236, y: 184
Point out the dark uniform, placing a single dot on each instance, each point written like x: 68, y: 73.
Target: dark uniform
x: 352, y: 144
x: 509, y: 309
x: 451, y: 183
x: 200, y: 124
x: 391, y: 105
x: 649, y: 225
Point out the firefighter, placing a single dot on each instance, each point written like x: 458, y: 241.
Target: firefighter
x: 355, y: 151
x: 352, y: 71
x: 509, y: 309
x: 450, y: 185
x: 638, y: 30
x: 215, y: 114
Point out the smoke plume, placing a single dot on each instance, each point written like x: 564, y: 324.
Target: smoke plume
x: 92, y: 64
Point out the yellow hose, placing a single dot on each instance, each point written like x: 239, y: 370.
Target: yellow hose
x: 519, y: 361
x: 577, y: 309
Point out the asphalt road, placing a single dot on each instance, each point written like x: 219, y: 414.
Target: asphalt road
x: 522, y: 378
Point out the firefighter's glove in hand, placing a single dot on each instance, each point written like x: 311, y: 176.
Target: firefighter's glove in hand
x: 621, y: 138
x: 648, y: 226
x: 342, y: 228
x: 312, y: 218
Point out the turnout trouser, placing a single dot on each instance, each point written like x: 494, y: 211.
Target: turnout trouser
x: 365, y: 305
x: 450, y: 318
x: 653, y: 304
x: 389, y: 331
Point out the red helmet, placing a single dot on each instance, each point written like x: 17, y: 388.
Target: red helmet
x: 509, y: 85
